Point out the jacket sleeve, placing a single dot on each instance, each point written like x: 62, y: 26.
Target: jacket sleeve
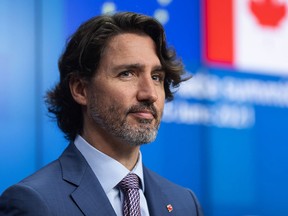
x: 22, y: 200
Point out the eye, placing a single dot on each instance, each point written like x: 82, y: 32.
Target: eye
x: 158, y: 77
x: 124, y: 74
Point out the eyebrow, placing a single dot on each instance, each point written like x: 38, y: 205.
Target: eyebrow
x: 138, y: 66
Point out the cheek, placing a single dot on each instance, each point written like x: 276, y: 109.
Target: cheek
x: 160, y: 103
x: 125, y: 94
x: 161, y: 98
x: 115, y: 98
x: 161, y: 107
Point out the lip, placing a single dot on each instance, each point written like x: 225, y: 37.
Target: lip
x: 144, y: 114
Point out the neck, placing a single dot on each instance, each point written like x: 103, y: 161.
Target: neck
x: 123, y: 152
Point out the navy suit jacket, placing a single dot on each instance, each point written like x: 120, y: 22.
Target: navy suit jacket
x: 69, y: 187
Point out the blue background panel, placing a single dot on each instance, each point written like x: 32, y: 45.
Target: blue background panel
x: 17, y: 91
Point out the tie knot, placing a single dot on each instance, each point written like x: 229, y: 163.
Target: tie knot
x: 131, y: 181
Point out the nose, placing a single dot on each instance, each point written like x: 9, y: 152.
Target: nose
x: 147, y: 90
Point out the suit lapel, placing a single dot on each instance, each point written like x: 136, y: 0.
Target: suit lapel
x: 156, y: 196
x: 89, y: 196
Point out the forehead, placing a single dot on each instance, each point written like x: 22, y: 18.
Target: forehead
x: 131, y: 46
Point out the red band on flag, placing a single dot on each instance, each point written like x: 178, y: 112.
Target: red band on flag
x: 219, y: 31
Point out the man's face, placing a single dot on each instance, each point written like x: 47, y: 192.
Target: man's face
x: 126, y: 96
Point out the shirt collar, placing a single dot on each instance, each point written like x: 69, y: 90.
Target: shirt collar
x: 108, y: 171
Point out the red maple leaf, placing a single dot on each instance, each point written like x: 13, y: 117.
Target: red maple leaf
x: 268, y: 12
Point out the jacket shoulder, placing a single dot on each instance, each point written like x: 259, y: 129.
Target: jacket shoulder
x: 21, y: 199
x: 26, y: 197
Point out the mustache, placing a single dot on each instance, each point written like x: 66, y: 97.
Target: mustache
x: 144, y: 107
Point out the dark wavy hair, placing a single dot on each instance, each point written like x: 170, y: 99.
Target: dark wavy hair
x: 82, y: 57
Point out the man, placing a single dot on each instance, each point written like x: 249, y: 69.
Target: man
x: 115, y: 76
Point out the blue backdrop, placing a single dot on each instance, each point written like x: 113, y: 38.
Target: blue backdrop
x: 224, y: 136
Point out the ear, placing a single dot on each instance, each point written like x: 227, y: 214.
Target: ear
x: 78, y: 89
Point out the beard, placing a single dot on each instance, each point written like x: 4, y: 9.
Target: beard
x: 109, y: 118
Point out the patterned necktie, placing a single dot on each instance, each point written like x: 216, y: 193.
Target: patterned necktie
x: 130, y: 187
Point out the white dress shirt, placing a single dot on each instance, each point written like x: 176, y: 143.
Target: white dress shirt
x: 109, y: 173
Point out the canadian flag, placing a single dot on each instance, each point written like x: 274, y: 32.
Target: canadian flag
x: 249, y: 35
